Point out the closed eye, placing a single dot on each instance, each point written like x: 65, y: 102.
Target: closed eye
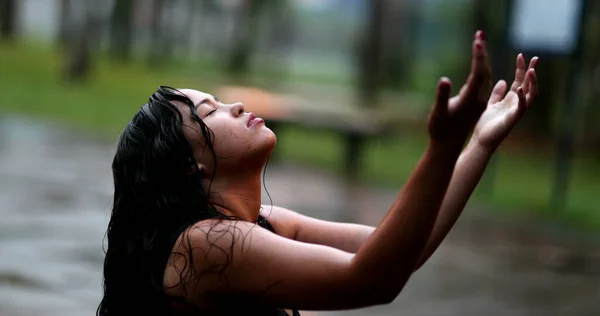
x: 211, y: 112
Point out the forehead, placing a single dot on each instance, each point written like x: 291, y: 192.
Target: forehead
x: 195, y: 95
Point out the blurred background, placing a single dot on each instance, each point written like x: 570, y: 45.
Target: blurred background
x: 347, y: 85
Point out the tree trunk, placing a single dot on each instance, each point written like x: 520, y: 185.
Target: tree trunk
x: 539, y: 121
x: 192, y: 8
x: 121, y: 29
x: 493, y: 18
x: 282, y: 26
x: 78, y: 50
x: 160, y: 48
x: 8, y: 19
x: 64, y: 21
x: 591, y: 111
x: 370, y: 54
x: 244, y: 37
x: 78, y: 56
x: 280, y: 39
x: 400, y: 22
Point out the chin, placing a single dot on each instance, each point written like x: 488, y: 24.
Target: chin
x: 269, y: 146
x: 273, y: 140
x: 270, y: 139
x: 262, y: 148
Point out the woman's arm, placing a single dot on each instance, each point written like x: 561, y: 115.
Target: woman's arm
x: 503, y: 112
x: 297, y: 226
x: 240, y: 259
x: 467, y: 174
x: 350, y: 237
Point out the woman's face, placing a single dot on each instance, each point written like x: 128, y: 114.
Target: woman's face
x: 241, y: 142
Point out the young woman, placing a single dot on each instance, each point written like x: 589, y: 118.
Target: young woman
x: 187, y: 236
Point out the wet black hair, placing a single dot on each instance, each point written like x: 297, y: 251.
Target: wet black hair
x: 158, y: 191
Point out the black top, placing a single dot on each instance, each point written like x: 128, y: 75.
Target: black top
x: 179, y: 304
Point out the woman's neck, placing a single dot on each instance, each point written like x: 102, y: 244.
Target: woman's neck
x: 238, y: 197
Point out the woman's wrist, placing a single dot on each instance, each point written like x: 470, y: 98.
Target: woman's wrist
x: 475, y: 146
x: 444, y: 151
x: 449, y: 147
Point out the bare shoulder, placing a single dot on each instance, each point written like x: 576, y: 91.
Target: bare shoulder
x: 232, y: 258
x: 203, y: 253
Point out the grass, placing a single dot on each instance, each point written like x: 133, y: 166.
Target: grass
x: 31, y: 84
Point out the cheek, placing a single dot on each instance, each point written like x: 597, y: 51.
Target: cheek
x: 231, y: 140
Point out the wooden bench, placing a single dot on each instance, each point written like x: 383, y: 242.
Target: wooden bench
x: 355, y: 125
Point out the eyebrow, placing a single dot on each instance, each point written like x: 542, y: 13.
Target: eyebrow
x: 205, y: 100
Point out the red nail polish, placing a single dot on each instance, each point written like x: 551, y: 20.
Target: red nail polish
x: 478, y: 46
x: 481, y: 35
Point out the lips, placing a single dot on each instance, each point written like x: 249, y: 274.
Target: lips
x: 251, y: 117
x: 253, y: 120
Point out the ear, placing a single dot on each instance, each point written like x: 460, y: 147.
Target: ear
x: 201, y: 168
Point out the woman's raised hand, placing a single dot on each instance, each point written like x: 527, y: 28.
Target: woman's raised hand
x: 452, y: 118
x: 504, y: 110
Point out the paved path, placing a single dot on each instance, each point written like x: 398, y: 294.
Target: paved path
x: 55, y: 196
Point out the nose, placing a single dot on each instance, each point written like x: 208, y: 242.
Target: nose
x: 237, y: 109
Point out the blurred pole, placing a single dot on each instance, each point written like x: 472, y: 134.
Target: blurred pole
x: 121, y: 28
x: 8, y: 19
x: 566, y: 133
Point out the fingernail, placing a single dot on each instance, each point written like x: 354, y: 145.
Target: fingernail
x: 481, y: 35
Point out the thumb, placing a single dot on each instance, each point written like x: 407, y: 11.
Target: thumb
x: 443, y: 95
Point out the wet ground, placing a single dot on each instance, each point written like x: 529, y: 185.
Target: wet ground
x: 55, y: 197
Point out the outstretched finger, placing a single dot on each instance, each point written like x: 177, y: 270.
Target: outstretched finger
x: 498, y: 92
x: 532, y: 64
x: 522, y: 100
x: 518, y: 112
x: 485, y: 93
x: 519, y: 73
x: 533, y: 87
x: 480, y: 73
